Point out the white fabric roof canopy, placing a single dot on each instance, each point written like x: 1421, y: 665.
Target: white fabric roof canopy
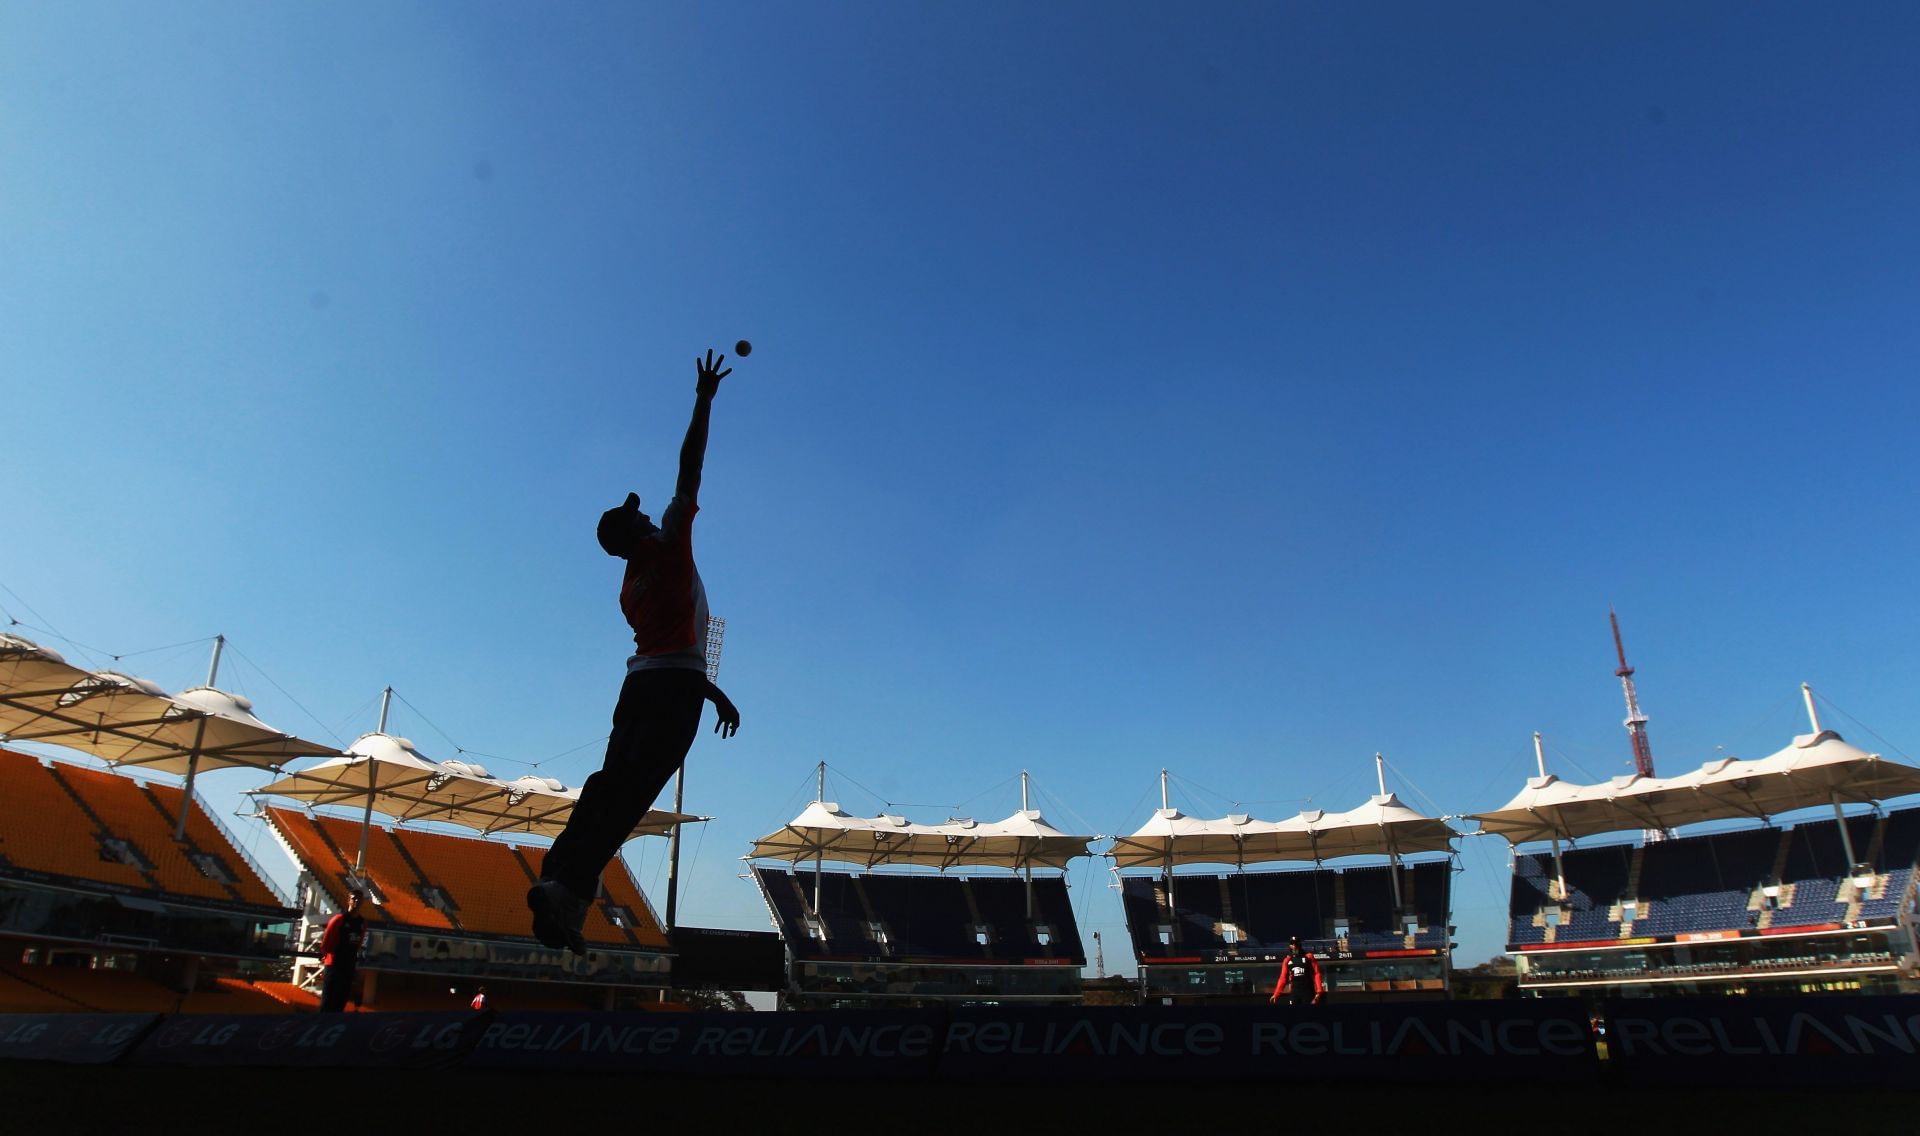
x: 129, y: 721
x: 1381, y: 827
x: 822, y: 831
x: 1817, y: 769
x: 406, y: 785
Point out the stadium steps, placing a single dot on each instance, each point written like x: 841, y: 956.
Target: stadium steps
x: 38, y: 818
x: 340, y: 861
x: 1410, y: 893
x: 1780, y: 856
x: 1634, y: 868
x: 1857, y: 897
x: 210, y: 836
x: 20, y: 994
x: 288, y: 994
x: 231, y: 996
x: 422, y: 881
x: 973, y: 910
x: 889, y: 947
x: 346, y: 872
x: 105, y: 832
x: 127, y: 813
x: 1778, y: 872
x: 116, y: 991
x: 191, y: 847
x: 807, y: 908
x: 1340, y: 908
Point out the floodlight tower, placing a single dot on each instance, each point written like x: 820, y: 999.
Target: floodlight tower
x: 1636, y: 722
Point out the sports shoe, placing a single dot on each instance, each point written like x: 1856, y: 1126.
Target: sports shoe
x: 558, y: 916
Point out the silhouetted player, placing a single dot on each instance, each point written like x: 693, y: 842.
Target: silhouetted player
x: 658, y: 714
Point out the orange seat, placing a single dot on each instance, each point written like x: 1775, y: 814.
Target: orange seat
x: 325, y: 846
x: 55, y: 818
x: 43, y: 829
x: 484, y: 880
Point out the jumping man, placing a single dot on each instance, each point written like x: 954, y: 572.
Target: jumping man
x: 658, y: 714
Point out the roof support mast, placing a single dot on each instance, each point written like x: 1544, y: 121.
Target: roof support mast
x: 199, y: 735
x: 373, y: 774
x: 1393, y: 856
x: 1559, y: 870
x: 1839, y: 818
x: 1024, y: 808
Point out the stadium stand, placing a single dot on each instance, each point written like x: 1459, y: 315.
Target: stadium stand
x: 1273, y: 906
x: 102, y: 908
x: 1218, y: 938
x: 450, y: 911
x: 1780, y: 907
x: 440, y: 882
x: 1262, y: 910
x: 923, y: 939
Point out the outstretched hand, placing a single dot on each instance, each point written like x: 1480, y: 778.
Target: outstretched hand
x: 710, y: 373
x: 726, y: 714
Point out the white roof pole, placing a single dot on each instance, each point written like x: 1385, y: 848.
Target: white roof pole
x: 1559, y: 890
x: 1023, y: 808
x: 1393, y: 855
x: 366, y: 821
x: 186, y: 791
x: 1163, y: 806
x: 199, y: 733
x: 1813, y: 716
x: 373, y: 775
x: 819, y: 857
x: 1846, y: 838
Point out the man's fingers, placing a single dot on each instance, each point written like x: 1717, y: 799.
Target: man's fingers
x: 724, y: 373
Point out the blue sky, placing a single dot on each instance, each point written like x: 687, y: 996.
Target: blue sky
x: 1241, y: 391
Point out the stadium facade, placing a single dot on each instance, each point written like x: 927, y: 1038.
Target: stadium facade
x: 122, y: 892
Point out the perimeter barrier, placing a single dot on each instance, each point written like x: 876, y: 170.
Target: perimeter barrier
x: 1844, y: 1041
x: 1536, y: 1042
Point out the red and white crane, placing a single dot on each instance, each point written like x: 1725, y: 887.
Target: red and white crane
x: 1636, y: 722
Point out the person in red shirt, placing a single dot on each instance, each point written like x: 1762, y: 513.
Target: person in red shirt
x: 340, y: 954
x: 479, y: 999
x: 1300, y: 978
x: 666, y: 687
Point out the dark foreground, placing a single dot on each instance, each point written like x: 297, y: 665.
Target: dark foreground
x: 40, y: 1098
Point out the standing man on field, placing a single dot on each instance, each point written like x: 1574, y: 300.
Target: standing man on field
x: 658, y: 714
x: 1300, y: 981
x: 340, y: 954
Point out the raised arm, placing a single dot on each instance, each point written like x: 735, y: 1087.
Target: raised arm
x: 693, y: 451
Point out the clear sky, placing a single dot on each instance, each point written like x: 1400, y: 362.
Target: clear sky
x: 1239, y: 390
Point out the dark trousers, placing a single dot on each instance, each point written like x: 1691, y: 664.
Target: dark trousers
x: 653, y: 727
x: 336, y: 988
